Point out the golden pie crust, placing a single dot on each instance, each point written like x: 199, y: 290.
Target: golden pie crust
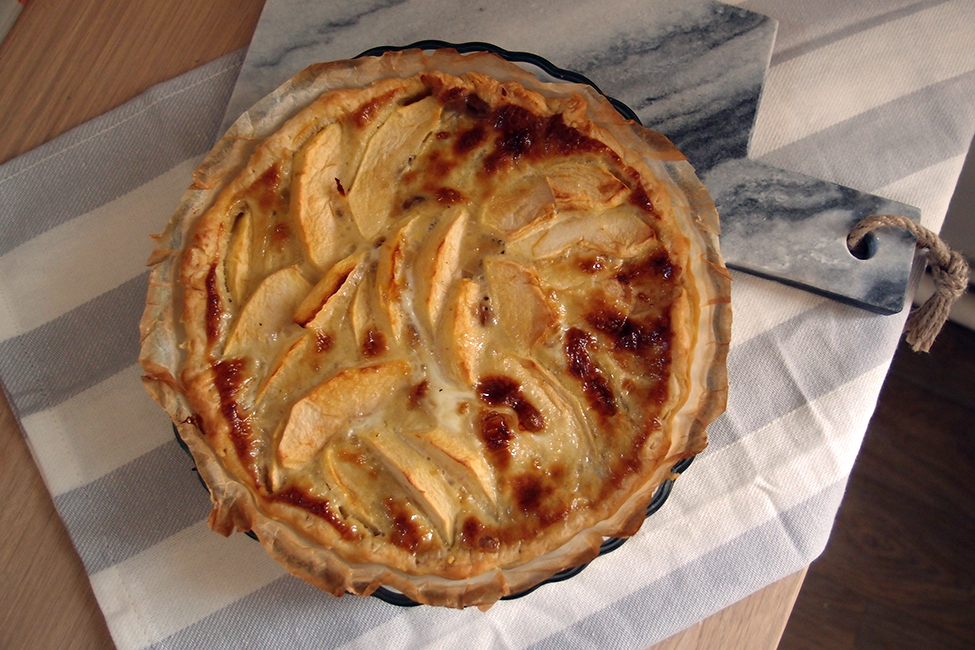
x: 428, y: 322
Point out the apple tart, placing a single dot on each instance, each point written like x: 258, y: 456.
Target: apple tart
x: 426, y: 321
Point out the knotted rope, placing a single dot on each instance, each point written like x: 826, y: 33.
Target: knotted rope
x: 948, y: 268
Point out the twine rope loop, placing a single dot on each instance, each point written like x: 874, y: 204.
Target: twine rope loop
x: 949, y: 269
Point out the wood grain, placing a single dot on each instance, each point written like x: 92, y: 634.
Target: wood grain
x: 67, y: 61
x: 47, y: 600
x: 63, y: 63
x: 899, y: 569
x: 754, y: 623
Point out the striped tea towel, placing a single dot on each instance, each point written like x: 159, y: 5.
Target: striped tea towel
x: 845, y: 101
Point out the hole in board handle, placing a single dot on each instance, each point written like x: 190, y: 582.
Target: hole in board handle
x: 866, y: 249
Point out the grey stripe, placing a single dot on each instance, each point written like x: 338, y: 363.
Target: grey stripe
x: 891, y: 141
x: 732, y: 571
x: 850, y: 30
x: 288, y: 613
x: 767, y: 382
x: 75, y: 351
x: 85, y: 346
x: 121, y: 150
x: 134, y: 507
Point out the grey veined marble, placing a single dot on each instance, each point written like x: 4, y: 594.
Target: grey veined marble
x: 691, y: 69
x: 793, y: 228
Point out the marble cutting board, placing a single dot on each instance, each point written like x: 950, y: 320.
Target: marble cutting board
x: 692, y: 70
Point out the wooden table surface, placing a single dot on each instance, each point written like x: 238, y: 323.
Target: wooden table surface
x: 64, y: 63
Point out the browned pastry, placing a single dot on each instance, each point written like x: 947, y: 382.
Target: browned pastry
x: 425, y: 321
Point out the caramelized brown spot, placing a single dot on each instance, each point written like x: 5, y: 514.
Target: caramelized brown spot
x: 580, y: 365
x: 405, y: 532
x: 494, y: 430
x: 228, y: 378
x: 281, y: 233
x: 439, y: 167
x: 470, y: 530
x: 339, y: 188
x: 449, y: 195
x: 417, y: 393
x: 629, y: 460
x: 651, y: 338
x: 477, y: 107
x: 373, y: 343
x: 321, y: 508
x: 512, y: 119
x: 475, y: 535
x: 657, y: 391
x: 214, y: 309
x: 591, y: 265
x: 655, y: 267
x: 470, y: 139
x: 265, y: 188
x: 522, y: 133
x: 323, y: 342
x: 654, y: 278
x: 536, y: 495
x: 496, y: 390
x: 557, y: 472
x: 442, y: 135
x: 562, y: 139
x: 367, y: 112
x: 496, y: 434
x: 450, y: 95
x: 639, y: 198
x: 529, y: 492
x: 519, y: 130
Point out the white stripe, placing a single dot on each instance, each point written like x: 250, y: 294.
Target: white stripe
x: 802, y: 23
x: 736, y: 489
x: 807, y: 94
x: 97, y: 431
x: 758, y: 305
x: 929, y: 189
x: 178, y: 582
x: 87, y: 256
